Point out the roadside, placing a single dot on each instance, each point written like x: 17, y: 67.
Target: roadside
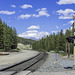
x: 51, y: 65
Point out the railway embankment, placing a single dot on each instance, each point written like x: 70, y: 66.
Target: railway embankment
x: 12, y: 58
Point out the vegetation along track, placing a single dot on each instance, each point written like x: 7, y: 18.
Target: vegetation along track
x: 24, y: 65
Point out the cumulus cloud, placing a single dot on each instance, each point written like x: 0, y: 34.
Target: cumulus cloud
x: 13, y: 6
x: 71, y: 22
x: 33, y: 34
x: 60, y: 2
x: 25, y: 6
x: 26, y: 16
x: 34, y: 27
x: 64, y: 31
x: 7, y: 12
x: 38, y: 10
x: 54, y: 31
x: 32, y: 31
x: 65, y: 14
x: 42, y: 12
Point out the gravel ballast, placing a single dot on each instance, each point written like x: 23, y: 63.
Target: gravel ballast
x: 51, y: 65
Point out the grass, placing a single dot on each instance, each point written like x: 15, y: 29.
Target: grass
x: 1, y: 50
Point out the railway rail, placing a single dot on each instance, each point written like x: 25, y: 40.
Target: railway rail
x: 24, y: 65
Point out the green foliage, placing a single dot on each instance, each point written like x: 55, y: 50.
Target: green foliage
x: 1, y: 34
x: 53, y: 42
x: 8, y: 37
x: 25, y: 41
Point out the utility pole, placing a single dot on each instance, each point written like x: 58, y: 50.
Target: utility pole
x: 74, y: 40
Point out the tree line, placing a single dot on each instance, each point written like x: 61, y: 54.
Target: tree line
x: 56, y: 42
x: 8, y: 37
x: 25, y: 41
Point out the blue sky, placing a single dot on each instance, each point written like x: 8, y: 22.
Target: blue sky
x: 37, y: 18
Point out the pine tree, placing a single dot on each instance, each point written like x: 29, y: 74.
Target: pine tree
x: 14, y: 39
x: 57, y: 42
x: 61, y: 41
x: 1, y: 35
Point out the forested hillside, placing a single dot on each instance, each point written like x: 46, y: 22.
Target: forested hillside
x: 25, y: 41
x: 8, y: 37
x: 56, y: 42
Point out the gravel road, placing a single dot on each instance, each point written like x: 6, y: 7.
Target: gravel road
x: 51, y: 65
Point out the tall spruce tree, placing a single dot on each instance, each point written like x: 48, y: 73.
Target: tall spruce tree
x: 14, y: 39
x: 1, y: 35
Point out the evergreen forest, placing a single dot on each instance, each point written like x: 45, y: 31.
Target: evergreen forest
x: 55, y: 42
x: 25, y: 41
x: 8, y: 37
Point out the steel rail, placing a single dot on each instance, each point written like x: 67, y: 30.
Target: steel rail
x: 24, y: 65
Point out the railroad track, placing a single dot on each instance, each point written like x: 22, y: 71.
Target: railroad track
x: 24, y: 65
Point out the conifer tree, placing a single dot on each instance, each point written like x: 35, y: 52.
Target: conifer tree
x: 8, y: 37
x: 1, y: 35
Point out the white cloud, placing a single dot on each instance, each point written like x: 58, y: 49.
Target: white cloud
x: 38, y: 10
x: 43, y: 9
x: 7, y: 12
x: 70, y: 28
x: 32, y: 31
x: 64, y: 24
x: 71, y: 22
x: 33, y: 34
x: 34, y: 15
x: 64, y: 31
x: 25, y: 6
x: 60, y: 2
x: 24, y: 16
x: 34, y: 27
x: 42, y: 12
x: 57, y: 27
x: 54, y: 31
x: 65, y: 17
x: 65, y: 14
x: 13, y: 6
